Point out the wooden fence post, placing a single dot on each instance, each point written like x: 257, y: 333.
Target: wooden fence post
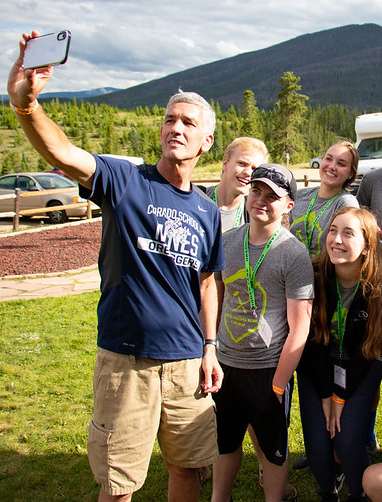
x: 89, y: 210
x: 16, y: 217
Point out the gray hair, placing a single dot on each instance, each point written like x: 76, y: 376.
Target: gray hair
x: 193, y: 98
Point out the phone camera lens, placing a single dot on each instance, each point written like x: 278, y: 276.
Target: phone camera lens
x: 61, y: 35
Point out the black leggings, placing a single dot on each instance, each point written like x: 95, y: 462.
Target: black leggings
x: 349, y: 444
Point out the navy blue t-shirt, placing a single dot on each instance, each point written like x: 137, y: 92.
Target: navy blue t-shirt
x: 156, y: 239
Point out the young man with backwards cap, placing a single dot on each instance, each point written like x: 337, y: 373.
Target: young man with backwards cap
x: 265, y: 315
x: 241, y: 156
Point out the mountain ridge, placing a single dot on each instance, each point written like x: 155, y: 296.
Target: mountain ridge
x: 336, y: 66
x: 72, y: 94
x: 100, y: 91
x: 341, y: 66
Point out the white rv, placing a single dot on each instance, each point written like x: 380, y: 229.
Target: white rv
x: 369, y: 142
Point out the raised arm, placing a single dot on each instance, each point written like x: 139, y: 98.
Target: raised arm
x: 24, y: 87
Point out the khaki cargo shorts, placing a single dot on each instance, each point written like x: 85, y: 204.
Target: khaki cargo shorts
x: 137, y: 399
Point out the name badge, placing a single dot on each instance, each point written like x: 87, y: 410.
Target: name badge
x: 265, y: 331
x: 340, y: 376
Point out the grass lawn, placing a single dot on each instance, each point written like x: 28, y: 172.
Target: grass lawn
x: 47, y: 351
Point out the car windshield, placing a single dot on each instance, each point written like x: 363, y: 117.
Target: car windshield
x: 370, y: 148
x: 49, y: 181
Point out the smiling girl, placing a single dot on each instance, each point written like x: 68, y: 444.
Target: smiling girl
x: 314, y: 207
x: 341, y: 368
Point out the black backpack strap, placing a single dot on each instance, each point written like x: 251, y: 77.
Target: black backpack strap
x: 201, y: 188
x: 202, y: 191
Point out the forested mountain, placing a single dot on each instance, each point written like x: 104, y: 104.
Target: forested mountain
x: 69, y: 95
x: 79, y: 95
x: 340, y: 66
x: 340, y: 70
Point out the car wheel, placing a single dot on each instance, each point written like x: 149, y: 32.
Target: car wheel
x: 353, y: 189
x: 316, y: 165
x: 56, y: 216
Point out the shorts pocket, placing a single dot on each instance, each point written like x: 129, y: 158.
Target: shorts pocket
x: 98, y: 452
x: 99, y: 364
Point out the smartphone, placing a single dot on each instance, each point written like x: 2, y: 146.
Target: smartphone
x: 47, y: 50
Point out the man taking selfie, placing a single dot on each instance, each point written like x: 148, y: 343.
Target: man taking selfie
x: 156, y: 364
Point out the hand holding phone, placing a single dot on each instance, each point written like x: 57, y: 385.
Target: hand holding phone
x: 47, y: 50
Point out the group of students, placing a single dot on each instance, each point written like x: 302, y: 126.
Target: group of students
x: 169, y: 274
x: 267, y: 329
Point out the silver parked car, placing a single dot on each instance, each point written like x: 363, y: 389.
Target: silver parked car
x: 316, y: 162
x: 36, y: 182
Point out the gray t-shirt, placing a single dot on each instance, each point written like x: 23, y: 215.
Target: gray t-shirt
x: 370, y: 193
x: 300, y: 208
x: 286, y: 272
x: 229, y: 215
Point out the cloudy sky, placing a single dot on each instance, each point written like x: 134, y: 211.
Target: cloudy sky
x: 124, y: 43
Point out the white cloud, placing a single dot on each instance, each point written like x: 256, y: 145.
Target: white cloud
x: 123, y: 43
x: 226, y: 49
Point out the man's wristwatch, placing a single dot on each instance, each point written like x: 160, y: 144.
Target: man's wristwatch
x: 210, y: 341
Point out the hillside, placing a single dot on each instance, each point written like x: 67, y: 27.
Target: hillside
x: 79, y: 94
x: 338, y: 66
x: 69, y: 95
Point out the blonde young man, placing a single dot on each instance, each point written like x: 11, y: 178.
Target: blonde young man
x: 267, y: 287
x: 240, y: 158
x: 156, y: 364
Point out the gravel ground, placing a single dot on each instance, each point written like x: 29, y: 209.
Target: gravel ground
x: 50, y: 250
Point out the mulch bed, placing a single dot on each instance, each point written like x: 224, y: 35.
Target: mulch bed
x: 45, y: 251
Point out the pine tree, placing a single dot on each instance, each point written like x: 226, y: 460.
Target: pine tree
x: 85, y: 145
x: 42, y: 164
x: 250, y: 116
x: 291, y: 112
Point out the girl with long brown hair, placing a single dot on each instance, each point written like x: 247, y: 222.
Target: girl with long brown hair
x: 341, y: 368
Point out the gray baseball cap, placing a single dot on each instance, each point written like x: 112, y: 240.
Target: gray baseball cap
x: 277, y: 177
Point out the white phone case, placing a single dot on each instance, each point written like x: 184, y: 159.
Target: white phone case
x: 47, y: 50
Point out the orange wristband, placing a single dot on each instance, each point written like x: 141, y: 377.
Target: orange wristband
x: 338, y: 400
x: 278, y: 390
x: 23, y: 111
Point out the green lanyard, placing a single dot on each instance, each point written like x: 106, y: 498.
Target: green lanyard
x: 309, y: 235
x: 251, y: 277
x: 341, y: 321
x: 239, y: 211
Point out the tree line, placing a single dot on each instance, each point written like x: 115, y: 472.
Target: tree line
x: 293, y: 130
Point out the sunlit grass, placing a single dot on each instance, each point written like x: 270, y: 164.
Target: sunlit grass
x: 48, y: 349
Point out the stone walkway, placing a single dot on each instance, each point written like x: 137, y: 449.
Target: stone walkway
x: 24, y: 287
x: 50, y: 285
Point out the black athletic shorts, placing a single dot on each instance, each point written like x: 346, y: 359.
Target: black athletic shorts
x: 246, y: 397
